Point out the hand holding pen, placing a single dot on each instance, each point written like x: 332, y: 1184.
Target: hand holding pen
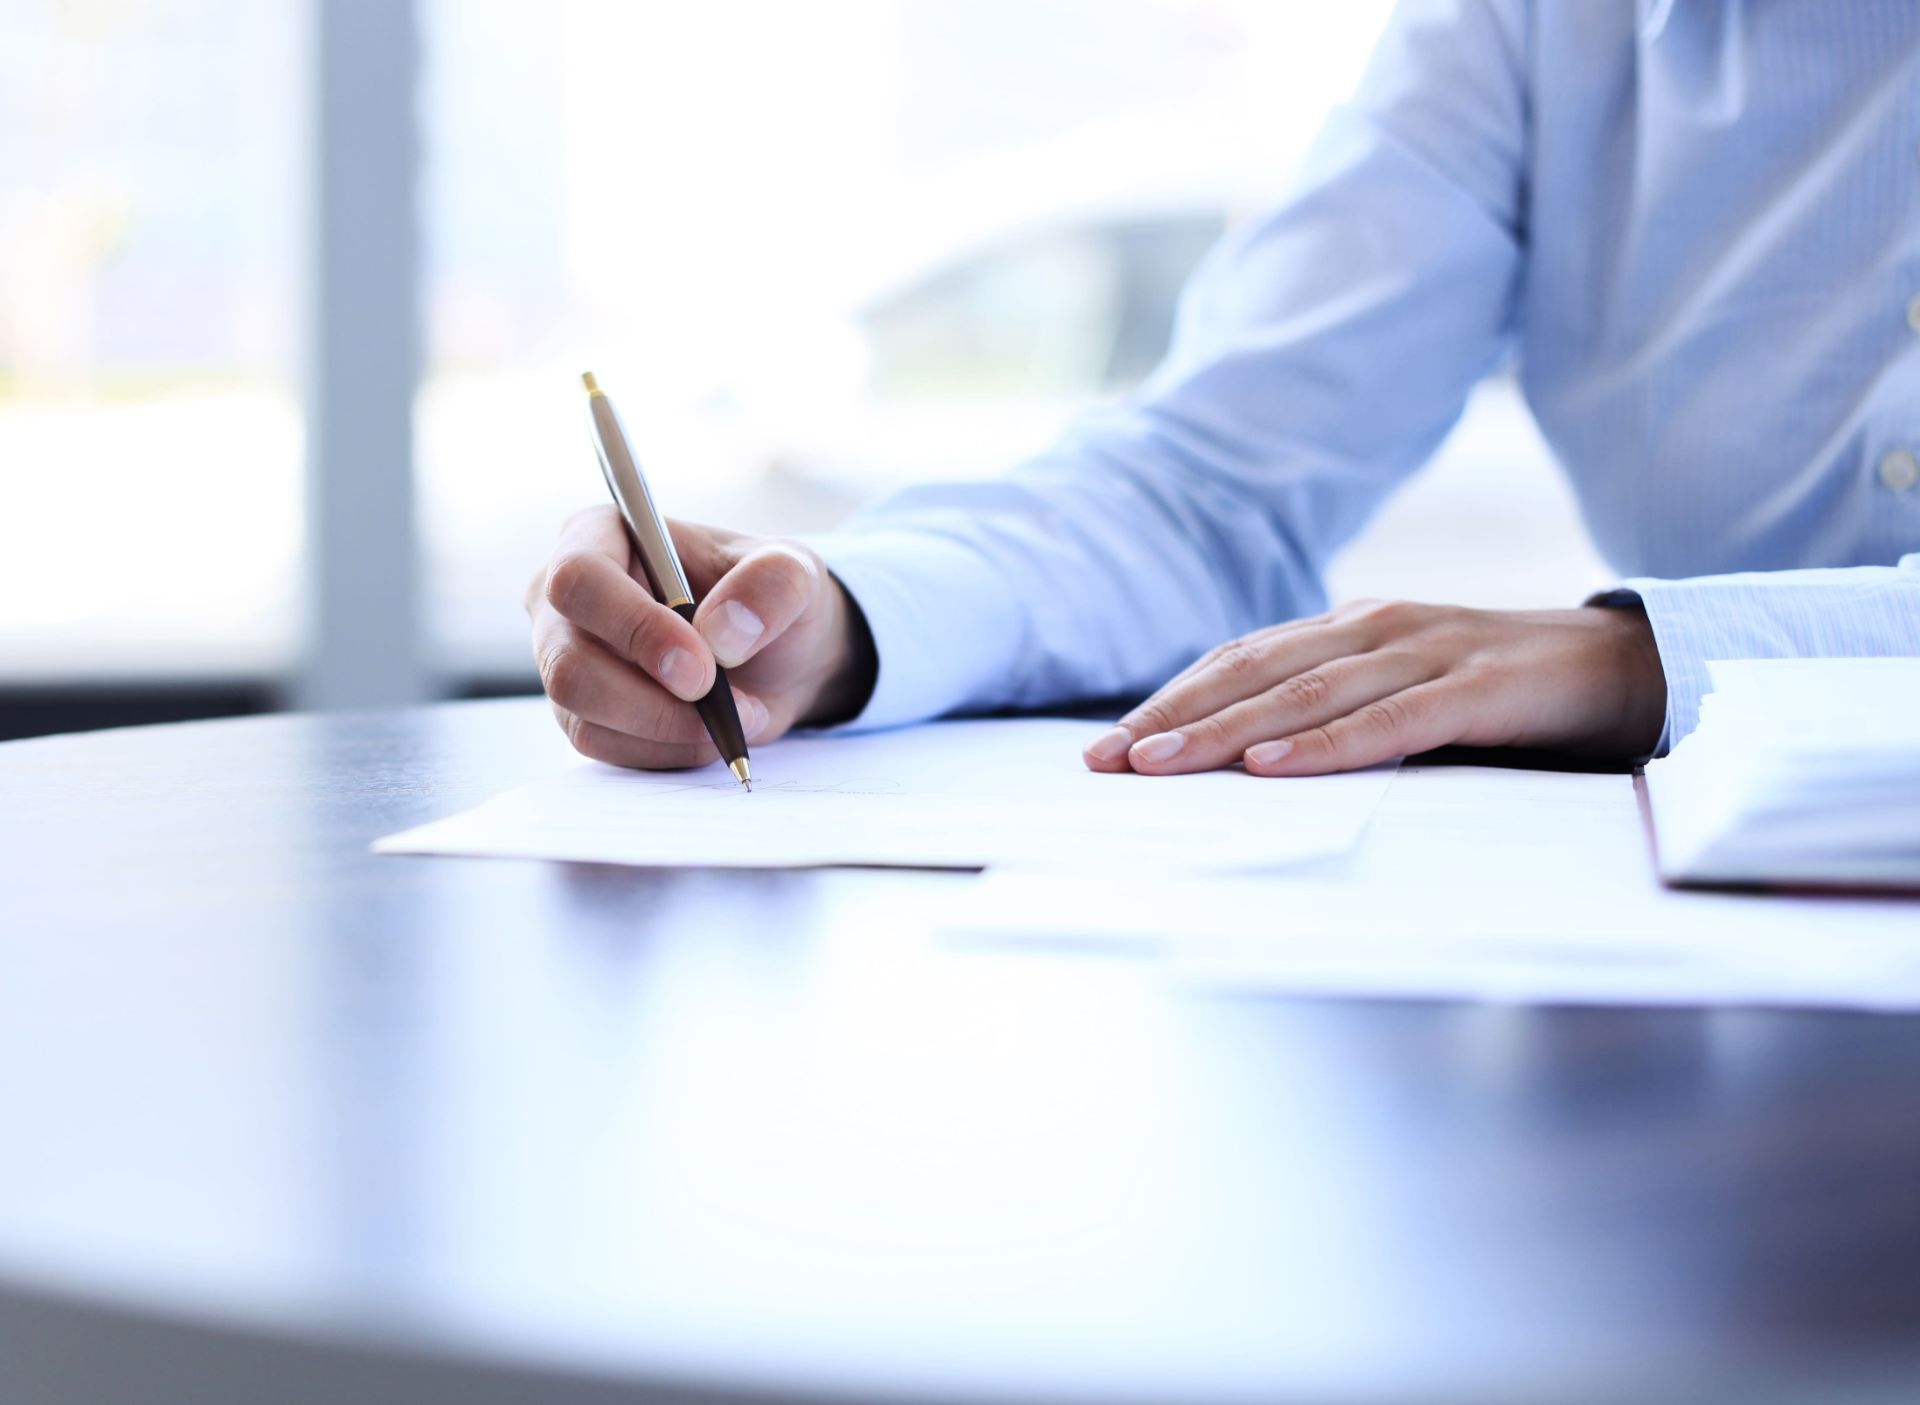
x: 621, y: 666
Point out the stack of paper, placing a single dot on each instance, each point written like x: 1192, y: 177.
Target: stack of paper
x: 1478, y: 884
x: 1802, y: 771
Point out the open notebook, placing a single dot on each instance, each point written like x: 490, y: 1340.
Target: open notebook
x: 1802, y: 771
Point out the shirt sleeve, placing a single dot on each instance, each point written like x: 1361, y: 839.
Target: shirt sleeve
x: 1323, y: 350
x: 1843, y: 612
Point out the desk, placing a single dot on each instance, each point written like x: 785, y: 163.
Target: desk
x: 286, y: 1121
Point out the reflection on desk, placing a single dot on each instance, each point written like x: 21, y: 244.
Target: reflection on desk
x: 291, y: 1121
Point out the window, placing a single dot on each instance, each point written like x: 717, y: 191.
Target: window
x: 150, y: 436
x: 816, y: 250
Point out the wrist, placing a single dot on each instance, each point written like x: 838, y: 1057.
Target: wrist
x: 853, y: 667
x: 1640, y: 703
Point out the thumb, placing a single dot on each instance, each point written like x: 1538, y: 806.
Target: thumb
x: 755, y: 602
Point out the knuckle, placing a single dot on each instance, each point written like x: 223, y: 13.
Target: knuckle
x: 570, y: 576
x: 640, y: 637
x: 704, y: 551
x: 596, y: 744
x: 1307, y: 691
x: 798, y: 562
x: 1384, y: 717
x: 782, y: 573
x: 1150, y: 719
x: 1317, y: 741
x: 1385, y: 619
x: 663, y: 719
x: 562, y: 675
x: 654, y: 715
x: 579, y: 735
x: 1238, y: 660
x: 1208, y: 732
x: 1483, y: 676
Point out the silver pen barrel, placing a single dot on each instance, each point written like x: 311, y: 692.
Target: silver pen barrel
x: 629, y: 488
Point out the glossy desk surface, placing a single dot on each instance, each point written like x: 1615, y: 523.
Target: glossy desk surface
x: 283, y: 1119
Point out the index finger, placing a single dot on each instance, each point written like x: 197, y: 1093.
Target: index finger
x: 1414, y: 720
x: 592, y: 582
x: 1230, y: 674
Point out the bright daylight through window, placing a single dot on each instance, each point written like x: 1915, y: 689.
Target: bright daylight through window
x: 820, y: 250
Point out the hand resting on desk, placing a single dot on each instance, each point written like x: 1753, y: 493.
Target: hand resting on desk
x: 620, y: 667
x: 1378, y: 679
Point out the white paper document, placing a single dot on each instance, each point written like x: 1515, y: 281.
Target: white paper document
x: 1481, y: 884
x: 964, y: 794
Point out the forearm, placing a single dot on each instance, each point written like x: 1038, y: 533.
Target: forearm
x: 1324, y: 349
x: 1093, y: 571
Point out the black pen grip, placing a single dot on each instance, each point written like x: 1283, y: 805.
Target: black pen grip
x: 716, y: 709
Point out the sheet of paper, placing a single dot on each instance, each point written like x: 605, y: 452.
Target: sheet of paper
x: 1484, y: 885
x: 946, y: 795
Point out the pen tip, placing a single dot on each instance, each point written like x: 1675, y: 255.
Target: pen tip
x: 740, y: 772
x: 592, y: 385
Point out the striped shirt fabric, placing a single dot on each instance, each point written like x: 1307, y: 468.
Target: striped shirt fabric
x: 1694, y: 226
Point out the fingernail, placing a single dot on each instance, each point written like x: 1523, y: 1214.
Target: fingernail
x: 680, y: 671
x: 1160, y: 747
x: 1111, y: 745
x: 753, y: 714
x: 1267, y: 753
x: 731, y: 630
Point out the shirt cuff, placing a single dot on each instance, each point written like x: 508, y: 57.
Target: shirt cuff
x: 947, y: 629
x: 1838, y: 612
x: 1694, y: 622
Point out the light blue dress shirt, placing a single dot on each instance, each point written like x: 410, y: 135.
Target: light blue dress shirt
x: 1696, y: 226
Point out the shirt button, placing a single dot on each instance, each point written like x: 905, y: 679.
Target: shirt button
x: 1900, y: 470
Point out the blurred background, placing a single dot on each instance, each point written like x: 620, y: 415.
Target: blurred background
x: 294, y: 295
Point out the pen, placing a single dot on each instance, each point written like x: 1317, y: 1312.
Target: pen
x: 662, y: 565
